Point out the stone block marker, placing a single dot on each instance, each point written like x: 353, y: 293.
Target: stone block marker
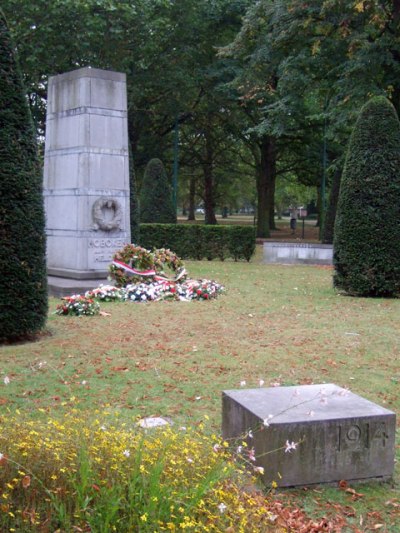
x: 339, y: 435
x: 86, y: 172
x: 290, y: 253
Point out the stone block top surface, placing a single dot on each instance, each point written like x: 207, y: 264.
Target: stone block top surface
x: 305, y: 403
x: 88, y: 72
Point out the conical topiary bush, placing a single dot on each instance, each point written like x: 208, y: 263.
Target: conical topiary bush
x: 156, y: 201
x: 367, y: 226
x: 23, y: 280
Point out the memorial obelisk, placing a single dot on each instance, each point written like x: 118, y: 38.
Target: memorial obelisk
x: 86, y: 172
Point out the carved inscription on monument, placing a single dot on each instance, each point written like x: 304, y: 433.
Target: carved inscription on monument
x: 357, y: 437
x: 102, y: 250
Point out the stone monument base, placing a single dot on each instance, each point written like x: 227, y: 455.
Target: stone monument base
x: 59, y: 287
x: 311, y: 434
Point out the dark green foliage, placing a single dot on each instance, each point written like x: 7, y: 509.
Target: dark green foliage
x: 242, y: 242
x: 191, y: 241
x: 156, y: 200
x: 367, y: 228
x: 134, y: 202
x: 329, y: 222
x: 23, y: 280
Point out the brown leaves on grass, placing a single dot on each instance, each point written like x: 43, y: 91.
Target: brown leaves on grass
x: 296, y: 520
x: 334, y: 517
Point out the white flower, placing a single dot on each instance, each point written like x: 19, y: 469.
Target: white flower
x: 103, y: 428
x: 6, y: 380
x: 84, y: 382
x: 216, y: 448
x: 127, y: 453
x: 250, y: 434
x: 221, y: 507
x: 289, y: 446
x: 239, y: 449
x: 259, y: 470
x: 267, y: 420
x: 243, y: 383
x: 261, y: 382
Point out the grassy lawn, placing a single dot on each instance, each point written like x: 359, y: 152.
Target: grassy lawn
x: 279, y: 324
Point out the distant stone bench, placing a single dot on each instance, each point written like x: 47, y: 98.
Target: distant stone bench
x: 340, y: 436
x: 292, y: 253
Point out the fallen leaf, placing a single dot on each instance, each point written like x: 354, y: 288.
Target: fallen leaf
x: 26, y: 482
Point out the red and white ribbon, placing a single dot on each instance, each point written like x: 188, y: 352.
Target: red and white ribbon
x: 133, y: 271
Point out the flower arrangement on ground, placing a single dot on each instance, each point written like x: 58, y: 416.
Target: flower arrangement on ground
x: 105, y: 293
x: 78, y: 305
x: 136, y: 264
x: 142, y: 278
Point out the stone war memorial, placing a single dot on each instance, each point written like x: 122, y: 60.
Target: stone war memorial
x: 86, y: 174
x: 312, y: 434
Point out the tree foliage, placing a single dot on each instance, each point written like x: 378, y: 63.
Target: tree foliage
x: 156, y: 201
x: 290, y: 82
x: 367, y: 229
x: 23, y: 279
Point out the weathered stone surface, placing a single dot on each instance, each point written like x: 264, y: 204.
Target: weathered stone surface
x: 86, y: 160
x: 302, y: 253
x: 340, y: 435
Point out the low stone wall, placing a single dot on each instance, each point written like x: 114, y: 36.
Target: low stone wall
x: 301, y: 253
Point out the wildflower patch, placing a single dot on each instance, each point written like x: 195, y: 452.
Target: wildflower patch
x: 89, y: 472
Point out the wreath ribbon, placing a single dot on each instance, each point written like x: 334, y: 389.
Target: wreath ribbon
x: 133, y: 271
x: 151, y: 272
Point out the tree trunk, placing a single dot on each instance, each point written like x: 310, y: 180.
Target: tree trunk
x: 209, y: 202
x: 265, y: 185
x: 272, y: 224
x: 192, y: 197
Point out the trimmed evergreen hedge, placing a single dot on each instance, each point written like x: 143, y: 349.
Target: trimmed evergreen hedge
x: 134, y: 201
x: 23, y: 278
x: 156, y: 200
x: 367, y: 227
x: 193, y: 241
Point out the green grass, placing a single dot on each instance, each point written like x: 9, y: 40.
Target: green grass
x: 276, y: 323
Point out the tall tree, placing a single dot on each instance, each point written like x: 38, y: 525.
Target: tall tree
x: 23, y: 279
x: 366, y: 242
x: 156, y: 202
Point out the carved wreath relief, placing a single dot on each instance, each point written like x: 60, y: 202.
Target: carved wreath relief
x: 107, y: 214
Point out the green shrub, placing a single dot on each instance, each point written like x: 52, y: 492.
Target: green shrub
x: 134, y: 202
x: 156, y: 200
x: 367, y: 227
x: 23, y: 279
x: 242, y: 242
x: 193, y: 241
